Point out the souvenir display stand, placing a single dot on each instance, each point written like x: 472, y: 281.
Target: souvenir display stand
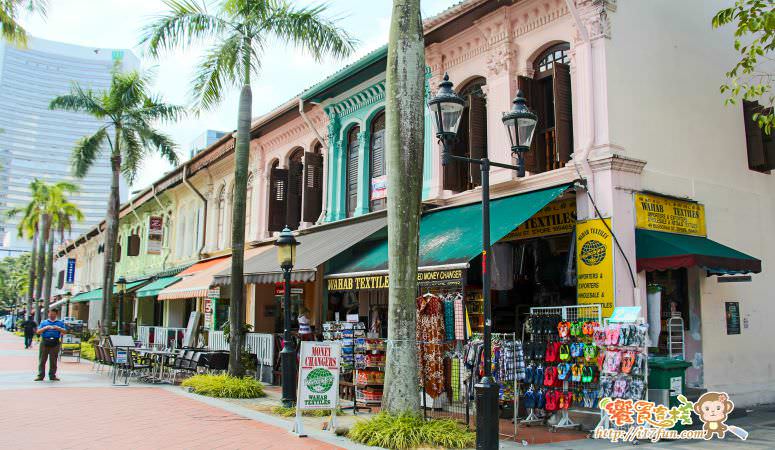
x: 369, y: 375
x: 561, y: 363
x: 346, y: 333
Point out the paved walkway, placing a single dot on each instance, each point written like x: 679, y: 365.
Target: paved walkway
x: 83, y: 411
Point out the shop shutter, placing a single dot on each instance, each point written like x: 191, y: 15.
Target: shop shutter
x: 757, y: 154
x: 133, y: 245
x: 295, y: 187
x: 278, y: 193
x: 563, y: 113
x: 313, y: 186
x: 477, y: 135
x: 535, y: 156
x: 352, y: 173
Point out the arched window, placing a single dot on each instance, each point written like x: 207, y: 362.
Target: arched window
x: 278, y: 186
x: 472, y: 139
x: 378, y: 187
x: 249, y: 207
x: 548, y: 94
x: 221, y: 232
x: 351, y: 182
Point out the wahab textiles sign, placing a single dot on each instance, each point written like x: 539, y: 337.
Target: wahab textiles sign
x: 370, y: 282
x: 558, y: 217
x: 653, y: 212
x: 595, y: 264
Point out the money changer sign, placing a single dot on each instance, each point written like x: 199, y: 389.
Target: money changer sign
x: 595, y: 264
x: 319, y: 375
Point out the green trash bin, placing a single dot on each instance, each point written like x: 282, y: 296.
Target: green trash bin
x: 670, y: 374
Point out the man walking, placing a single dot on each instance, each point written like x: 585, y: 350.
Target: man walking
x: 50, y: 331
x: 29, y: 326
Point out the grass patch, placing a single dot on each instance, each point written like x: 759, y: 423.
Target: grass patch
x: 224, y: 386
x: 290, y: 412
x: 406, y: 431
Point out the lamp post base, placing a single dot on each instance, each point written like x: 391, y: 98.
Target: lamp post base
x: 288, y: 361
x: 487, y: 414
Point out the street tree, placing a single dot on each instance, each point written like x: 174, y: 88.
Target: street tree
x: 128, y: 113
x: 751, y: 78
x: 404, y: 110
x: 28, y: 228
x: 241, y: 30
x: 10, y: 10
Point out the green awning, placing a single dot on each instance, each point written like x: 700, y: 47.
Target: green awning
x: 657, y: 250
x: 96, y: 294
x: 453, y: 236
x: 153, y: 288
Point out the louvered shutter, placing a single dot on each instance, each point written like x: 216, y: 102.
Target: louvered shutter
x: 757, y: 156
x: 377, y: 160
x: 534, y: 157
x: 278, y: 193
x: 133, y: 245
x: 61, y: 279
x: 455, y: 172
x: 313, y: 186
x: 477, y: 135
x: 117, y: 256
x: 563, y: 113
x: 295, y: 186
x: 352, y: 174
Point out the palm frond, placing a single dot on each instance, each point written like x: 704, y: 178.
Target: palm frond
x: 127, y: 91
x: 80, y: 100
x: 132, y: 154
x: 86, y: 151
x: 10, y: 29
x: 219, y: 68
x: 307, y: 28
x: 160, y: 142
x: 187, y: 21
x: 154, y: 108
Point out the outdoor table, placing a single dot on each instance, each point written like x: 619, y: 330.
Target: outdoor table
x: 158, y: 357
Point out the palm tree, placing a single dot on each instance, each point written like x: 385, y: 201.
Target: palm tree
x: 241, y: 29
x: 127, y: 111
x: 29, y: 228
x: 61, y: 212
x: 404, y: 108
x: 10, y: 29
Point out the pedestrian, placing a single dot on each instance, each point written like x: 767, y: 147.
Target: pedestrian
x: 29, y: 326
x: 50, y: 331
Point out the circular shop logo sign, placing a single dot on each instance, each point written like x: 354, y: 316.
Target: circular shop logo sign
x: 592, y: 252
x: 319, y: 380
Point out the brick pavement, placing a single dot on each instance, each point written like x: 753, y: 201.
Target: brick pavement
x: 94, y: 415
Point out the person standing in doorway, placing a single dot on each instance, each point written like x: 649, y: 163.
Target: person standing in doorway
x: 29, y: 326
x: 50, y: 331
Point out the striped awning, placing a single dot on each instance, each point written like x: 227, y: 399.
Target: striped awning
x: 153, y: 288
x: 195, y: 281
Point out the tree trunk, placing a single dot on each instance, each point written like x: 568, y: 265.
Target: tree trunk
x: 32, y: 274
x: 45, y: 227
x: 111, y: 235
x: 49, y: 274
x: 241, y: 158
x: 404, y: 149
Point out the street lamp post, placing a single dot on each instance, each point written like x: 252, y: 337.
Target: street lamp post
x: 286, y: 255
x: 121, y: 288
x: 446, y: 108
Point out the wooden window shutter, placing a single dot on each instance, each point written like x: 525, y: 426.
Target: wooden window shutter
x: 754, y: 137
x: 278, y: 192
x: 563, y: 113
x: 118, y: 253
x: 377, y: 158
x: 352, y: 172
x: 295, y: 182
x: 477, y: 135
x: 133, y: 245
x: 534, y: 158
x: 313, y: 186
x: 455, y: 172
x: 61, y: 279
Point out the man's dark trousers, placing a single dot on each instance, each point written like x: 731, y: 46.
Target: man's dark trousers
x: 52, y: 354
x: 27, y: 340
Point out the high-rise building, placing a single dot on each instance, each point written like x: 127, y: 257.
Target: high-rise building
x: 36, y: 142
x: 204, y: 140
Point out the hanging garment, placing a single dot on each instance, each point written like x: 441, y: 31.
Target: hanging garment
x: 449, y: 320
x: 430, y: 337
x: 502, y: 267
x: 459, y: 319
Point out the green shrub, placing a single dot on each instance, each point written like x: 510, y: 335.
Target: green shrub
x: 225, y: 386
x: 405, y: 431
x: 290, y: 412
x: 87, y: 350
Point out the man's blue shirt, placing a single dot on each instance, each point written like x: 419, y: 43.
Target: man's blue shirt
x: 51, y: 333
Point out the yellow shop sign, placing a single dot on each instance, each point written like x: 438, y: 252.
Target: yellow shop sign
x: 653, y: 212
x: 558, y: 217
x: 595, y: 265
x: 381, y: 281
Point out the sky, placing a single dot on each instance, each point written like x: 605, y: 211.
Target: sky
x: 286, y: 71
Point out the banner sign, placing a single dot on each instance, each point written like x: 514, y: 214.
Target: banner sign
x: 371, y: 282
x: 558, y: 217
x: 379, y: 187
x: 155, y: 235
x: 70, y: 275
x: 208, y: 313
x: 671, y: 215
x: 595, y: 265
x: 318, y: 375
